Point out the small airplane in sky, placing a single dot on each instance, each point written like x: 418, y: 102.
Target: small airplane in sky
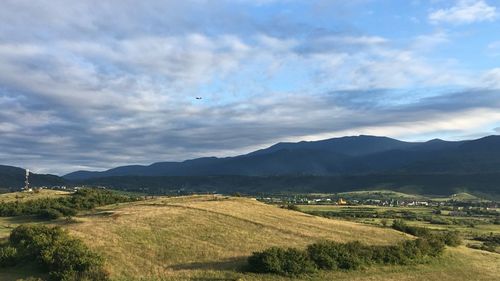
x: 198, y: 98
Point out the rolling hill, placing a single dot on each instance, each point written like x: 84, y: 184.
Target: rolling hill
x: 210, y: 237
x: 185, y: 236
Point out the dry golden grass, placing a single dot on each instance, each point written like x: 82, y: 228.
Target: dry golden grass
x: 9, y: 223
x: 457, y: 264
x: 185, y: 236
x: 209, y: 238
x: 25, y: 196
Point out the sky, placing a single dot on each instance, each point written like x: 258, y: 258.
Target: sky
x: 93, y: 84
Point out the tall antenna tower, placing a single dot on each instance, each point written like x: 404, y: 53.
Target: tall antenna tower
x: 27, y: 181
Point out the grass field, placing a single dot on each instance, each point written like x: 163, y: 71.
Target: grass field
x: 209, y: 238
x: 482, y: 224
x: 461, y: 197
x: 25, y: 196
x: 9, y: 223
x: 165, y: 237
x: 380, y: 194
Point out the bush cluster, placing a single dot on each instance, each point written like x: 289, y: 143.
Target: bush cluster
x: 8, y: 256
x: 281, y: 261
x: 360, y: 212
x: 329, y: 255
x: 490, y: 242
x: 401, y: 225
x: 449, y: 238
x: 63, y: 257
x: 53, y: 208
x: 291, y: 207
x: 492, y: 238
x: 484, y: 246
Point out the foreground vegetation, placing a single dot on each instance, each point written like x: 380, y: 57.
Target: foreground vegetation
x: 58, y: 206
x: 23, y: 196
x: 211, y: 237
x: 479, y: 227
x: 329, y: 255
x: 61, y: 256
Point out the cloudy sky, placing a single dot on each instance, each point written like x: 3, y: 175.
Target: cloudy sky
x: 94, y: 84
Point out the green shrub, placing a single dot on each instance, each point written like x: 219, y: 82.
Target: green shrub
x: 436, y: 246
x: 8, y: 256
x: 353, y: 255
x: 332, y: 255
x: 329, y: 255
x: 66, y: 211
x: 324, y: 254
x: 69, y: 256
x: 451, y: 238
x: 439, y: 220
x: 49, y: 214
x: 65, y: 258
x: 496, y: 221
x: 84, y: 199
x: 393, y: 254
x: 492, y: 238
x: 413, y: 230
x: 30, y: 240
x: 276, y: 260
x: 292, y: 207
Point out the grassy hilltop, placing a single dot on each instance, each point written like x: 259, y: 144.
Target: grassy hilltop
x: 210, y: 237
x: 190, y: 236
x: 25, y: 196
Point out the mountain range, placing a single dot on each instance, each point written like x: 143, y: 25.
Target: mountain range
x: 357, y: 155
x: 332, y: 165
x: 14, y: 177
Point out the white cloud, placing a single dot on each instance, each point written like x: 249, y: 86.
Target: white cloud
x: 360, y: 40
x: 428, y: 42
x: 491, y: 79
x: 99, y: 84
x: 465, y: 11
x: 460, y: 122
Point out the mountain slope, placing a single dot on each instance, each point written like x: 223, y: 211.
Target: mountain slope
x: 352, y: 146
x: 13, y: 177
x: 476, y: 156
x: 318, y: 158
x: 338, y: 156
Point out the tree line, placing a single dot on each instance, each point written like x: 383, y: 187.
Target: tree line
x: 52, y: 208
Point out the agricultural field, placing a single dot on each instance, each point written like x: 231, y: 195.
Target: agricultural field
x: 210, y: 238
x: 470, y: 225
x: 380, y: 194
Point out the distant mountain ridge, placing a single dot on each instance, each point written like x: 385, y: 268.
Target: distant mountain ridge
x: 335, y: 165
x: 355, y: 155
x: 13, y: 177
